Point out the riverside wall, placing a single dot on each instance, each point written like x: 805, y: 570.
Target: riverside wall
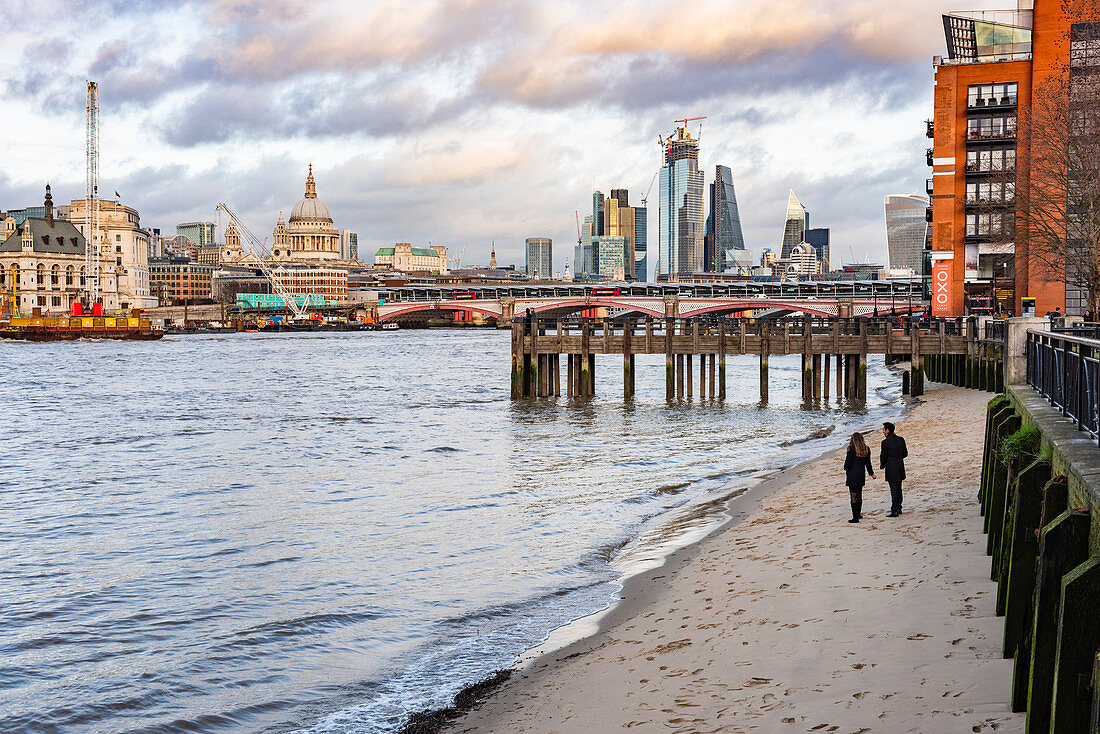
x: 1040, y: 497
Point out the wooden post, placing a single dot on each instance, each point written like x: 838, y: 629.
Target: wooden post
x: 861, y: 367
x: 1078, y: 641
x: 710, y: 376
x: 628, y: 362
x: 556, y: 373
x: 670, y: 364
x: 1063, y: 545
x: 518, y: 375
x: 688, y: 375
x: 1021, y: 552
x: 648, y: 335
x: 765, y: 347
x: 840, y: 376
x: 722, y: 359
x: 816, y: 359
x: 807, y: 363
x: 679, y: 376
x: 586, y: 361
x: 534, y: 373
x: 825, y: 376
x: 570, y: 385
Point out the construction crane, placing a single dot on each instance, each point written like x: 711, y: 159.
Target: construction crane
x: 686, y: 120
x: 267, y: 267
x: 645, y: 196
x: 91, y: 196
x: 456, y: 262
x: 577, y: 214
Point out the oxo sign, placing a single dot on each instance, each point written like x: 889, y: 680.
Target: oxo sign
x: 941, y: 288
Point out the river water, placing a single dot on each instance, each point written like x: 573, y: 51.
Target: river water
x: 322, y: 533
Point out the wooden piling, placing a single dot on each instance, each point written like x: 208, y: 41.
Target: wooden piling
x: 711, y: 360
x: 670, y: 364
x: 628, y: 362
x: 570, y: 385
x: 679, y: 376
x: 825, y: 376
x: 1078, y: 640
x: 765, y: 347
x: 688, y: 375
x: 1063, y: 545
x: 518, y: 375
x: 722, y: 360
x: 585, y: 376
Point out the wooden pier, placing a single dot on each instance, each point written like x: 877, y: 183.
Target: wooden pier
x: 537, y: 347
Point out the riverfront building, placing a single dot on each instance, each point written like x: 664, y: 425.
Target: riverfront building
x: 539, y: 257
x: 42, y: 265
x: 408, y: 259
x: 906, y: 231
x: 124, y: 253
x: 176, y: 279
x: 682, y: 226
x: 998, y: 63
x: 724, y: 241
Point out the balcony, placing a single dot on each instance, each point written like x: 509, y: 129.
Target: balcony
x: 928, y: 215
x: 929, y: 129
x: 990, y: 133
x: 928, y: 186
x: 993, y: 104
x: 928, y: 156
x: 977, y: 169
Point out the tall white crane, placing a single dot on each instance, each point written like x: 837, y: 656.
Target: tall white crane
x: 267, y: 266
x: 91, y: 196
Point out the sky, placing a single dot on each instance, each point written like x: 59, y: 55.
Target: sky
x: 469, y: 122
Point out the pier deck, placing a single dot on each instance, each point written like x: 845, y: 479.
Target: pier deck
x: 538, y: 345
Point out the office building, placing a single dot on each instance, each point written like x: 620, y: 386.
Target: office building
x: 819, y: 238
x: 724, y: 238
x: 611, y: 256
x: 906, y: 230
x: 584, y: 262
x: 198, y: 233
x: 794, y: 227
x: 123, y: 251
x: 176, y: 279
x: 641, y: 244
x: 408, y: 259
x: 539, y: 261
x: 681, y: 221
x: 998, y: 64
x: 348, y: 245
x: 620, y: 222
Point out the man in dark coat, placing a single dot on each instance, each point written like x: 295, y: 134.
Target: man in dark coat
x: 892, y: 462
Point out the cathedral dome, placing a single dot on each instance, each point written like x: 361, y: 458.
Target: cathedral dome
x: 310, y: 208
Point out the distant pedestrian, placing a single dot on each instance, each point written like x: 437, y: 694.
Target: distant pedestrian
x: 857, y: 464
x: 1090, y: 317
x: 892, y: 462
x: 1055, y: 314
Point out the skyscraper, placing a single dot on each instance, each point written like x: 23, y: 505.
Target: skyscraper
x: 641, y: 244
x: 682, y: 225
x: 906, y: 230
x: 584, y: 262
x: 620, y: 222
x: 819, y: 238
x: 724, y: 238
x: 539, y: 257
x: 794, y: 229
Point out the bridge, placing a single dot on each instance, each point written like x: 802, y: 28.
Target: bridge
x: 827, y: 300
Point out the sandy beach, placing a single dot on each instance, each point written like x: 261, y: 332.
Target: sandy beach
x: 789, y: 618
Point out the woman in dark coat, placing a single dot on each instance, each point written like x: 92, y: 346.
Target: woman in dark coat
x: 857, y: 465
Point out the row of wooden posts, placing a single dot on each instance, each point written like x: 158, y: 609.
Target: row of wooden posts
x: 537, y: 347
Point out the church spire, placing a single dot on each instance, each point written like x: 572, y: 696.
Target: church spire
x: 311, y: 187
x: 493, y: 257
x: 49, y: 206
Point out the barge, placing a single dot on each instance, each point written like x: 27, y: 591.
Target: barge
x: 78, y: 327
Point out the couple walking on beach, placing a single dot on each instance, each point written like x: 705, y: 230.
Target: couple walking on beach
x: 857, y: 464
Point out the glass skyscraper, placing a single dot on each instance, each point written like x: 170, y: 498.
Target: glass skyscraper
x: 795, y: 226
x: 724, y: 238
x: 682, y: 225
x: 819, y: 238
x: 906, y: 230
x: 199, y: 233
x: 641, y: 258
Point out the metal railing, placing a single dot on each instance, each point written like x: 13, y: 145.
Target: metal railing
x: 1066, y: 371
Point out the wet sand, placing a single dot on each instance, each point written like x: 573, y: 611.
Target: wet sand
x: 789, y: 618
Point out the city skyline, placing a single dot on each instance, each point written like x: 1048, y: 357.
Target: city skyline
x: 186, y: 124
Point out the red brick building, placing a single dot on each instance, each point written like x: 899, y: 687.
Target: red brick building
x: 997, y: 61
x: 177, y: 279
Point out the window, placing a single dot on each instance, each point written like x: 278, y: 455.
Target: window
x: 56, y: 301
x: 118, y: 238
x: 1084, y: 53
x: 55, y: 275
x: 41, y: 275
x: 992, y: 95
x: 990, y: 224
x: 991, y: 127
x: 990, y: 193
x: 991, y: 160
